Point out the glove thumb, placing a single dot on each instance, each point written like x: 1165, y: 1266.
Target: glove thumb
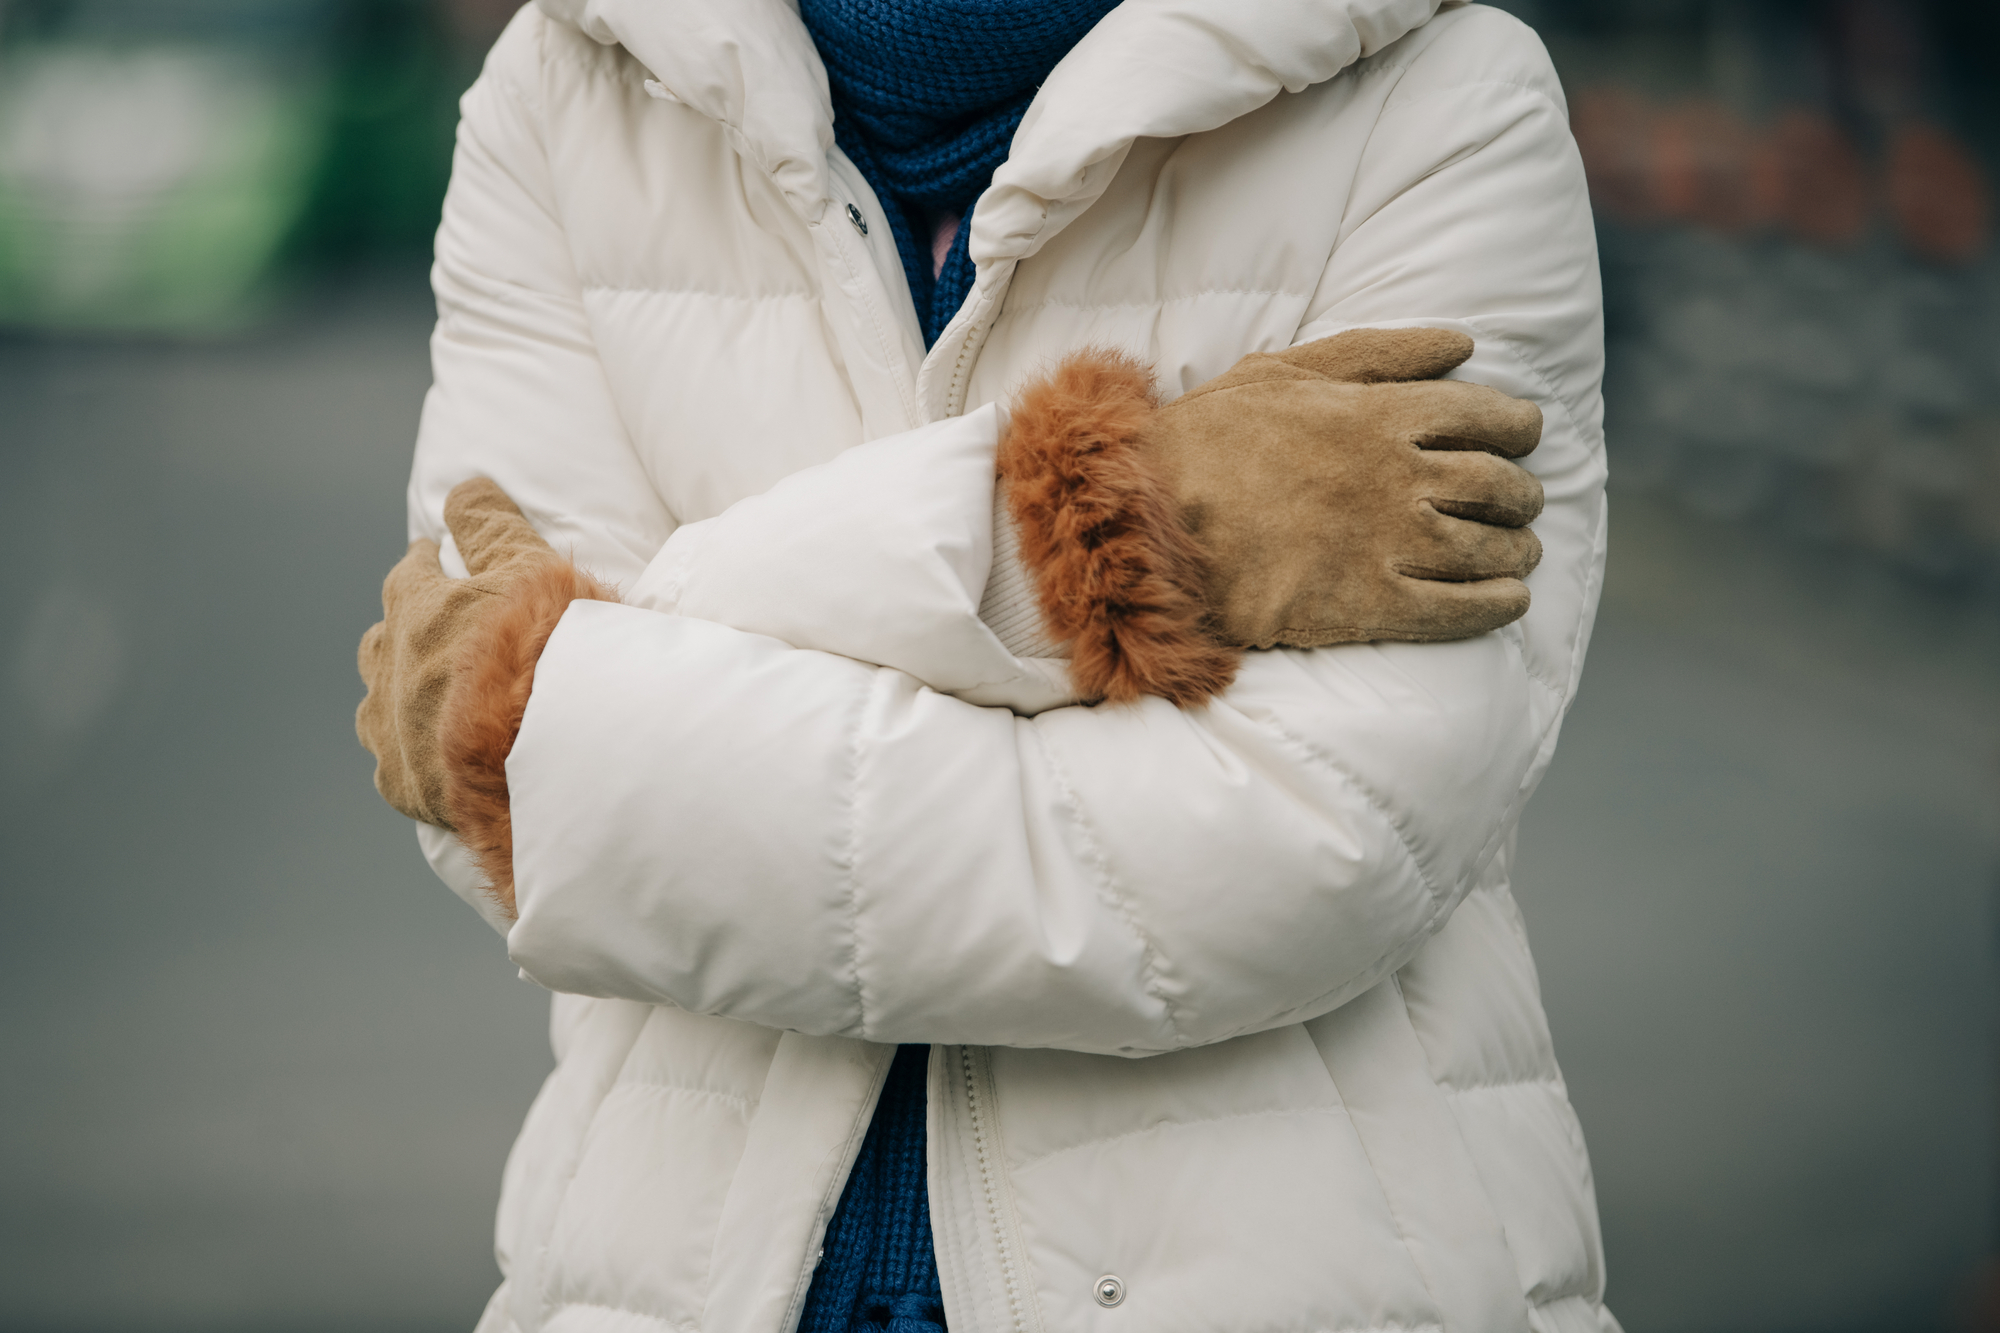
x: 1379, y: 356
x: 488, y: 527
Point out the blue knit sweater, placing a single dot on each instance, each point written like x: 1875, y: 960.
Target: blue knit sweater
x: 878, y: 1267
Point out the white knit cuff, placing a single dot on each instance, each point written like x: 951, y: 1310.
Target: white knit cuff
x: 1011, y: 606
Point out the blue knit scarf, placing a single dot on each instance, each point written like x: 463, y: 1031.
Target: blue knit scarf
x: 927, y: 95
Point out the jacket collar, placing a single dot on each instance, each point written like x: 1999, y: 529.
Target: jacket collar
x: 748, y: 65
x: 1151, y: 69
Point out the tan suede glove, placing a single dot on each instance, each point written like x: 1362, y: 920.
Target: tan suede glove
x: 1342, y: 492
x: 1337, y: 492
x: 449, y: 665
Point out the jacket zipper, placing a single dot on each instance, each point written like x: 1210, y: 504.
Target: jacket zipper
x: 954, y: 398
x: 955, y: 392
x: 989, y: 1187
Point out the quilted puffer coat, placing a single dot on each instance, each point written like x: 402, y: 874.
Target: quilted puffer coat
x: 1233, y: 1020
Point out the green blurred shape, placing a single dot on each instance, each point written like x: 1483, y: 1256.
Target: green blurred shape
x: 149, y: 189
x: 395, y: 75
x: 169, y: 165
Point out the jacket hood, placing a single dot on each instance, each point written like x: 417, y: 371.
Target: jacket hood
x: 1150, y: 69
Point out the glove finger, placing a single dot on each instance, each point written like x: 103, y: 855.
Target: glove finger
x: 415, y: 575
x: 489, y: 528
x: 1481, y: 487
x: 1377, y: 356
x: 1451, y: 414
x: 1456, y: 550
x: 368, y: 657
x: 1428, y: 611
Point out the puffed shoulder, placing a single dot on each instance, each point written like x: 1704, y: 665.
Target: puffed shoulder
x: 1465, y: 47
x: 515, y: 58
x: 542, y: 37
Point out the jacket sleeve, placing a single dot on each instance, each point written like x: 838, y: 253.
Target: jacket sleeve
x: 721, y: 821
x: 518, y: 393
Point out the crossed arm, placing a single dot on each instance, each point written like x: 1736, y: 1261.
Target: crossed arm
x: 736, y: 824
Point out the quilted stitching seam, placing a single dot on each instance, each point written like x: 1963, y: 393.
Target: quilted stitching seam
x: 1586, y: 1298
x: 649, y: 289
x: 1015, y: 310
x: 1549, y: 1082
x: 1152, y: 962
x: 1441, y: 903
x: 1376, y: 802
x: 584, y: 55
x: 847, y: 859
x: 548, y: 1280
x: 677, y: 1325
x: 1168, y: 1126
x: 1539, y: 94
x: 745, y: 1106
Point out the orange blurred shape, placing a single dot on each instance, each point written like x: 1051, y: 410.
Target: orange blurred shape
x: 1937, y: 195
x: 1614, y: 132
x: 1702, y: 155
x: 1807, y: 177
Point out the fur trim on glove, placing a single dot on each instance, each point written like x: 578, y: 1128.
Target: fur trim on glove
x: 1119, y: 579
x: 482, y: 712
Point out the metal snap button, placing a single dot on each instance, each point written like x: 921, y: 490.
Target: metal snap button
x: 854, y: 216
x: 1109, y: 1291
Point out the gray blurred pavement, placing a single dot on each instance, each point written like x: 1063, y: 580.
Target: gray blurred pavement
x: 261, y: 1071
x: 1759, y: 880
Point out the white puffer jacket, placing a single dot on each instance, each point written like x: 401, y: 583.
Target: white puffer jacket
x: 775, y: 831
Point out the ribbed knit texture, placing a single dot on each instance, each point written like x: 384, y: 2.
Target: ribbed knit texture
x: 879, y: 1269
x: 927, y: 95
x: 1012, y: 604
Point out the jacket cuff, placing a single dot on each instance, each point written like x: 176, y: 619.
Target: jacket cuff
x: 1117, y: 577
x: 483, y: 709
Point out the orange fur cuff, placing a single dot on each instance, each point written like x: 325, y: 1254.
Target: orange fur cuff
x: 482, y: 712
x: 1118, y: 577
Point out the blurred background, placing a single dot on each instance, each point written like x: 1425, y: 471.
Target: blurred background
x: 258, y: 1071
